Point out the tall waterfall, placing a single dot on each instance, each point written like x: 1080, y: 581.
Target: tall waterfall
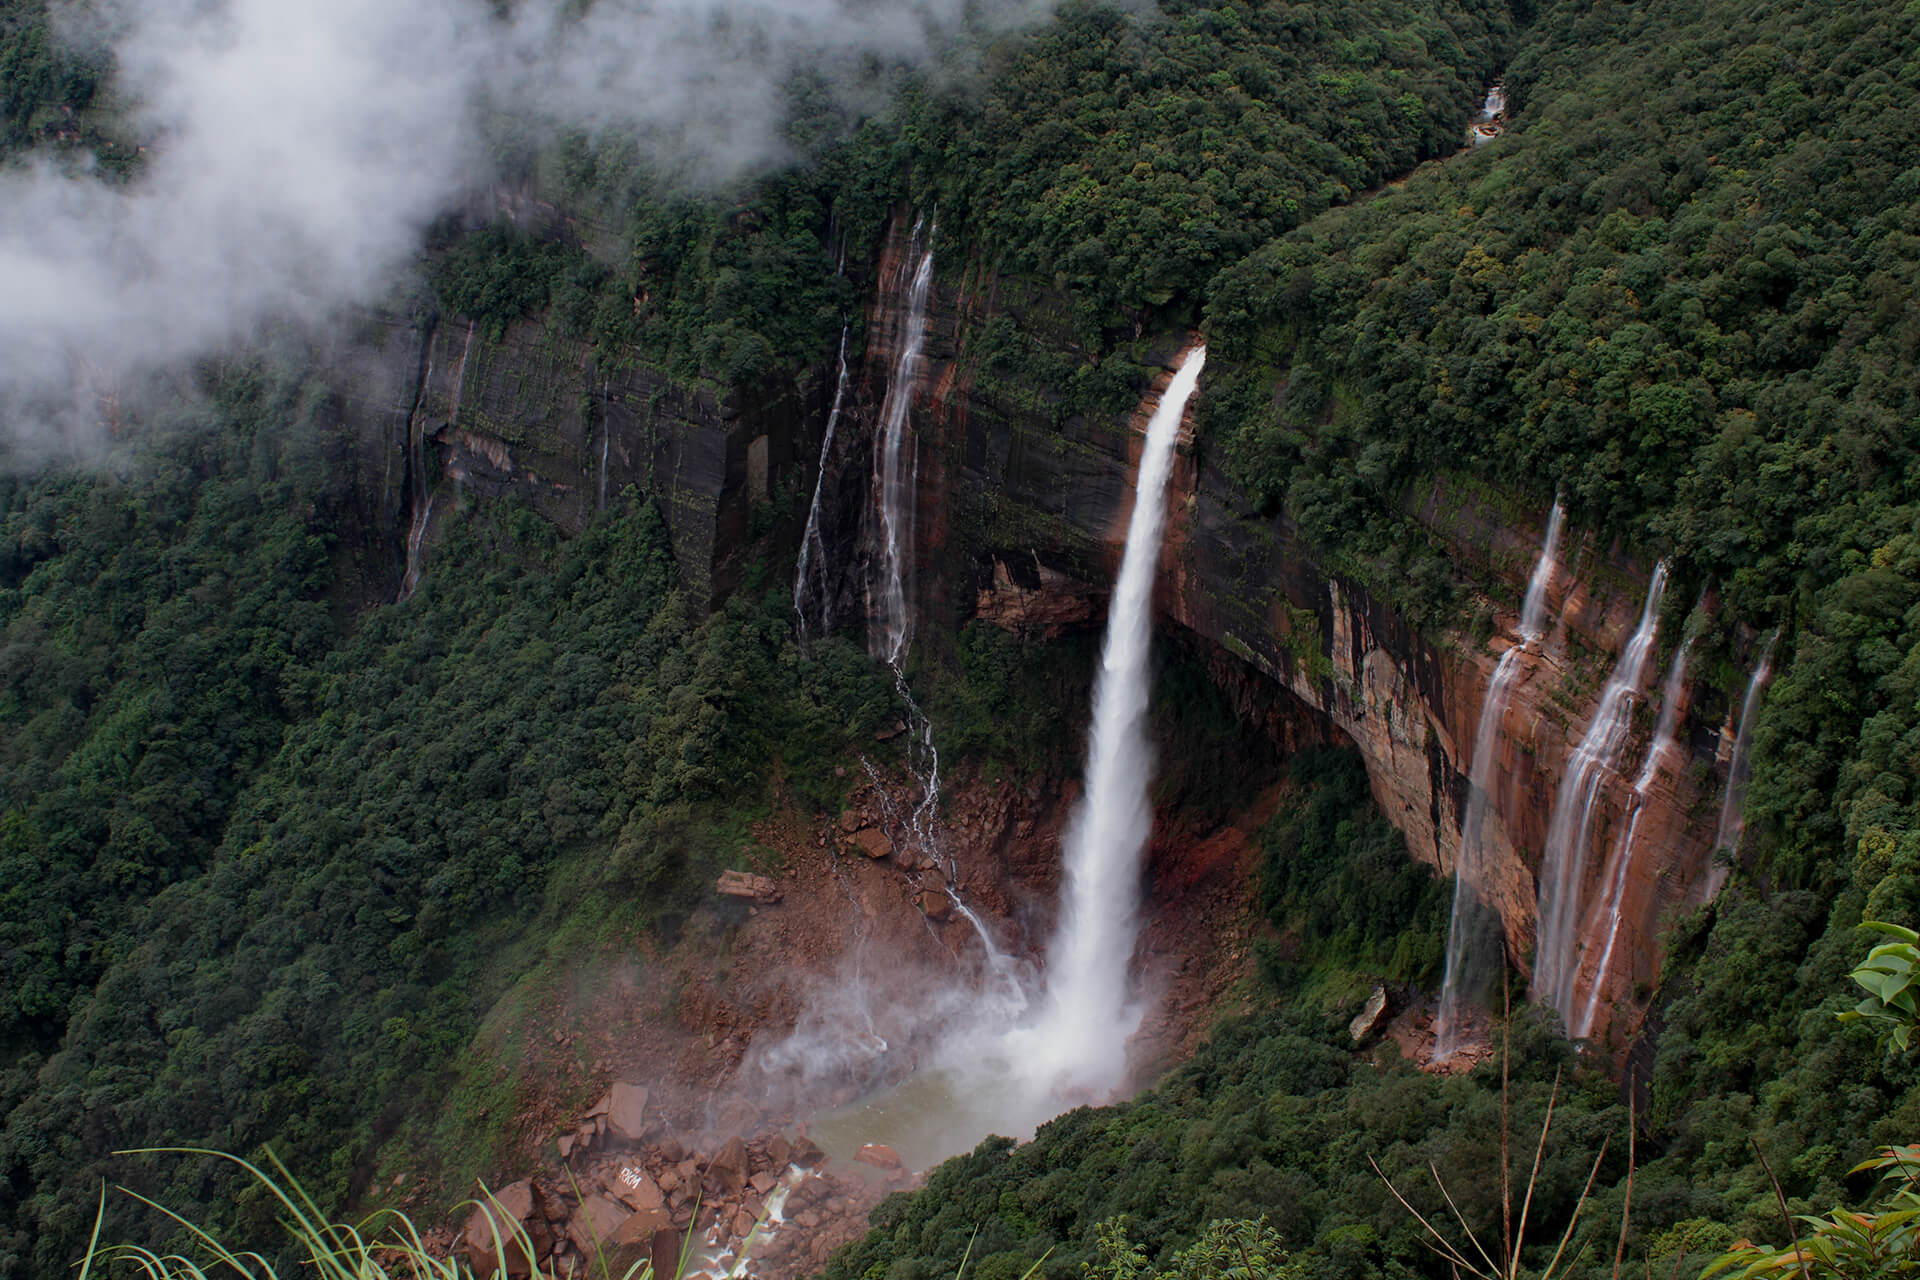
x: 1078, y: 1046
x: 812, y: 553
x: 1563, y: 867
x: 1472, y: 933
x: 899, y: 476
x: 1659, y: 751
x: 1733, y: 817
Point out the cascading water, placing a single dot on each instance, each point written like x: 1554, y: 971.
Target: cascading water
x: 1078, y: 1044
x: 812, y: 553
x: 606, y: 441
x: 1659, y: 751
x: 1733, y: 818
x: 1471, y: 934
x: 1563, y: 868
x: 896, y: 473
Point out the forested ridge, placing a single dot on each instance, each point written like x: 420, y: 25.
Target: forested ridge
x: 267, y: 853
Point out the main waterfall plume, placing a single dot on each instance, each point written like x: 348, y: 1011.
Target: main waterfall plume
x: 1469, y: 934
x: 1563, y: 867
x: 1078, y: 1045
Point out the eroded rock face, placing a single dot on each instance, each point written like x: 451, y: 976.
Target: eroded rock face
x: 533, y: 416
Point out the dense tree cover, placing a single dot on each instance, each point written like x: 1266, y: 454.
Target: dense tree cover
x: 264, y: 870
x: 1125, y: 160
x: 1679, y: 292
x: 1120, y: 158
x: 48, y: 93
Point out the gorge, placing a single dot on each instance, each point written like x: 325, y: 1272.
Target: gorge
x: 787, y: 696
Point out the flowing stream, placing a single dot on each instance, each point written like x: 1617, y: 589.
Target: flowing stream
x: 1658, y: 751
x: 1733, y: 817
x: 1471, y: 933
x: 1563, y: 867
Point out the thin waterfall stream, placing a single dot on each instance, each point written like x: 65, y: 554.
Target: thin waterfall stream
x: 813, y: 554
x: 1563, y: 866
x: 1471, y: 934
x: 1663, y: 746
x: 1733, y: 817
x: 898, y: 495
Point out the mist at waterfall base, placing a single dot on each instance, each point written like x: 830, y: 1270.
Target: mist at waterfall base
x: 1009, y: 1051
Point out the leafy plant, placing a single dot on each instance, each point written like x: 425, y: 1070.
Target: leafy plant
x: 1889, y: 974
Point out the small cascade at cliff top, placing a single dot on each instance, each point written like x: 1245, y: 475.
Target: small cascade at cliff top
x: 1563, y: 866
x: 898, y: 474
x: 813, y: 555
x: 1733, y: 817
x: 1078, y: 1045
x: 1659, y: 751
x: 1472, y: 934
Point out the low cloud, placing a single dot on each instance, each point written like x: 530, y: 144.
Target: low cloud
x: 296, y: 151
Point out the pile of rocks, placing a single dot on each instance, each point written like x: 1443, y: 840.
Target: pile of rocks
x: 628, y: 1192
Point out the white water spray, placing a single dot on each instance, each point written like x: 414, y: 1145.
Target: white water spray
x: 1659, y: 751
x: 813, y: 554
x: 1468, y: 940
x: 1733, y: 817
x: 1078, y: 1045
x: 1563, y: 868
x: 898, y: 495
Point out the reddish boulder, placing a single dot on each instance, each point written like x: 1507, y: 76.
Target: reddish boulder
x: 509, y: 1234
x: 729, y: 1167
x: 627, y: 1112
x: 879, y: 1155
x: 594, y: 1224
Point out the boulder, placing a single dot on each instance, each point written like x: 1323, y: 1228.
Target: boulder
x: 1371, y: 1015
x: 631, y: 1186
x: 600, y: 1108
x: 499, y: 1233
x: 873, y: 842
x: 627, y: 1112
x: 635, y: 1243
x: 670, y: 1149
x: 566, y: 1145
x: 594, y: 1224
x: 729, y: 1167
x: 743, y: 1224
x: 806, y: 1152
x: 879, y: 1155
x: 744, y: 884
x: 933, y: 904
x: 764, y: 1181
x: 666, y: 1248
x: 779, y: 1152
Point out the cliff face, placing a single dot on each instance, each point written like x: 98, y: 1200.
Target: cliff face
x: 534, y: 416
x: 1022, y: 520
